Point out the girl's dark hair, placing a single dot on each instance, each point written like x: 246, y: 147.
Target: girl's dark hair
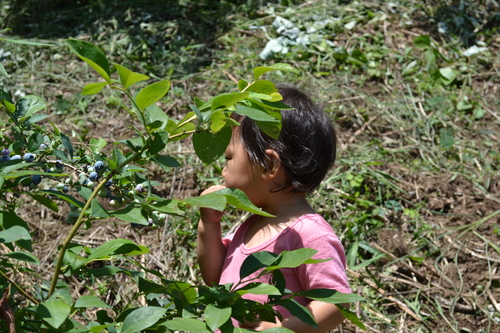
x: 306, y: 144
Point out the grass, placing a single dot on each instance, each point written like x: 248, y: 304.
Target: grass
x: 415, y: 192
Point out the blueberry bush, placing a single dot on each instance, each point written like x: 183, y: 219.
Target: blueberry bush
x: 39, y: 164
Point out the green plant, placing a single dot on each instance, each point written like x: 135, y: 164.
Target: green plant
x: 52, y: 172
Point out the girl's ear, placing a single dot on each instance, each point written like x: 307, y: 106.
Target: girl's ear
x: 274, y: 165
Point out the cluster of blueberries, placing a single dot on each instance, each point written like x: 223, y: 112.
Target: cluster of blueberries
x: 5, y: 156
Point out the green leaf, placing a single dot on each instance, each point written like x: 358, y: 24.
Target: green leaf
x: 166, y: 206
x: 258, y: 288
x: 422, y: 41
x: 210, y: 146
x: 448, y: 75
x: 351, y: 316
x: 92, y: 55
x: 90, y: 301
x: 10, y: 219
x: 242, y: 84
x: 34, y: 119
x: 446, y: 139
x: 156, y: 118
x: 45, y: 201
x: 53, y: 312
x: 128, y: 77
x: 67, y: 144
x: 295, y: 258
x: 187, y: 325
x: 142, y: 318
x: 3, y: 71
x: 263, y: 87
x: 215, y: 317
x: 255, y: 114
x: 25, y: 42
x: 97, y: 210
x: 210, y: 200
x: 115, y: 247
x: 6, y: 101
x: 131, y: 214
x: 93, y: 88
x: 28, y: 105
x: 8, y: 174
x: 478, y: 112
x: 256, y: 261
x: 299, y: 311
x: 13, y: 234
x: 152, y: 94
x: 330, y: 296
x: 227, y: 100
x: 218, y: 121
x: 238, y: 199
x: 23, y: 256
x: 97, y: 144
x: 66, y: 197
x: 258, y: 71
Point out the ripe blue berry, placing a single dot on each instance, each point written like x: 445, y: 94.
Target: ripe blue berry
x: 93, y: 176
x: 99, y: 166
x: 43, y: 146
x: 109, y: 183
x: 16, y: 157
x: 5, y: 158
x: 5, y: 151
x: 29, y: 157
x: 59, y: 164
x: 65, y: 189
x: 36, y: 179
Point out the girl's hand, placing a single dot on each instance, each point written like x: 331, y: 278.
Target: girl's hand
x: 209, y: 215
x: 261, y: 325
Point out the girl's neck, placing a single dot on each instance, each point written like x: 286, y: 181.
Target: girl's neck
x: 286, y: 208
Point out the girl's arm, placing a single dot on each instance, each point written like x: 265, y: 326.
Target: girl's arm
x: 211, y: 250
x: 326, y: 315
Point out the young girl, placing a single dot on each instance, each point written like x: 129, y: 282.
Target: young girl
x: 276, y: 175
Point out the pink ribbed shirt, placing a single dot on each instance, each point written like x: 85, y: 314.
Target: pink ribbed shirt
x: 308, y: 231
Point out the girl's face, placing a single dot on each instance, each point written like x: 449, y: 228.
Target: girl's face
x: 241, y: 173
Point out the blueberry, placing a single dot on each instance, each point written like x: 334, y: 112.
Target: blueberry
x: 65, y: 189
x: 29, y: 157
x: 36, y: 179
x: 109, y: 183
x: 16, y: 157
x: 59, y: 164
x: 5, y: 158
x: 99, y: 166
x: 86, y: 181
x: 43, y: 146
x: 5, y: 151
x: 93, y: 176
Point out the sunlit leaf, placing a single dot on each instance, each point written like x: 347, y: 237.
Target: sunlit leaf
x: 92, y: 55
x: 152, y: 93
x: 258, y: 71
x: 54, y: 312
x: 93, y: 88
x: 90, y: 301
x: 128, y: 77
x: 142, y: 318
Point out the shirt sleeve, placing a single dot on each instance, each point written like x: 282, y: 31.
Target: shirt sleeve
x: 329, y: 274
